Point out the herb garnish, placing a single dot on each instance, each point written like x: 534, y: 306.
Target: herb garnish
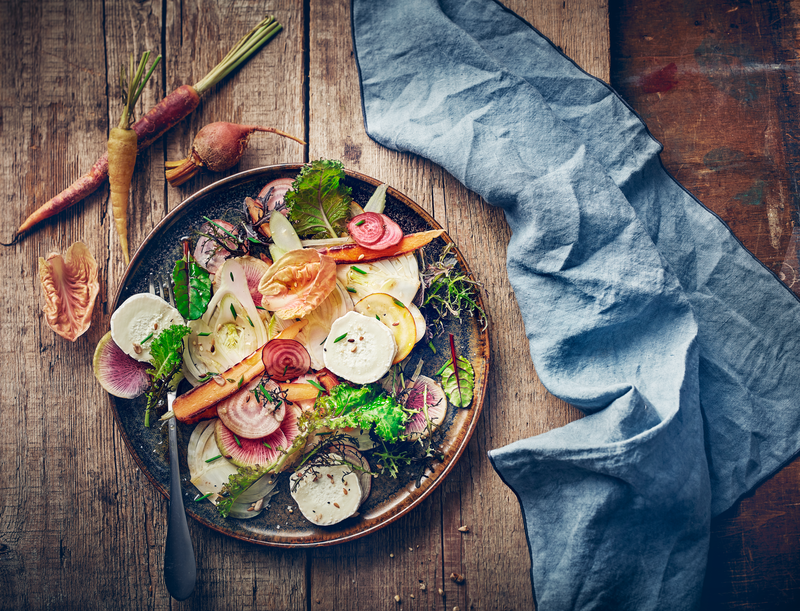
x: 316, y: 385
x: 449, y: 291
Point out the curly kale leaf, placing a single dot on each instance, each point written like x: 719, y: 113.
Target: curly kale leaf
x: 166, y: 357
x: 319, y: 201
x: 364, y: 407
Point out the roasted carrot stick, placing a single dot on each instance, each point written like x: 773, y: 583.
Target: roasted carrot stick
x: 176, y: 106
x: 122, y: 143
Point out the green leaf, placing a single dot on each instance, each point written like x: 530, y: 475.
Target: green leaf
x: 166, y: 358
x: 458, y: 391
x: 319, y: 201
x: 166, y: 351
x: 364, y: 407
x: 192, y: 289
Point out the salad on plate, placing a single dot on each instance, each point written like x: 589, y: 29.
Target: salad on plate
x: 296, y: 324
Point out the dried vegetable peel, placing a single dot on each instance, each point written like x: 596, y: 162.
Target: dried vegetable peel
x: 70, y: 287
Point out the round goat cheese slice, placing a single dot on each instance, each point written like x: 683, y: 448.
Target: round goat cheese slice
x: 138, y: 320
x: 326, y: 494
x: 359, y: 348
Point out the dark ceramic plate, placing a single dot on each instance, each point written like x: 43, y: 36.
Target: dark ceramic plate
x: 390, y: 498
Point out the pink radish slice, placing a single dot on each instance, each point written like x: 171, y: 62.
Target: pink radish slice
x: 437, y: 406
x: 248, y: 417
x: 279, y: 188
x: 354, y: 457
x: 285, y: 359
x: 208, y: 253
x: 392, y: 234
x: 265, y: 451
x: 367, y: 228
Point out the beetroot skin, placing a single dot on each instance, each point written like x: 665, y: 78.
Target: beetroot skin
x: 218, y: 146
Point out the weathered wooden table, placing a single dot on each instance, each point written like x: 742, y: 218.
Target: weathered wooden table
x: 82, y: 528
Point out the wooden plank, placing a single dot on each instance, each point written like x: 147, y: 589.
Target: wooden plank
x: 715, y: 83
x: 268, y: 91
x: 80, y: 526
x: 493, y: 557
x: 53, y: 127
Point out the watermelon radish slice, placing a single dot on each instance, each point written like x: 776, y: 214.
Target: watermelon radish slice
x: 248, y: 414
x: 392, y: 234
x: 367, y: 228
x: 119, y: 374
x: 279, y: 188
x: 264, y: 451
x: 425, y: 389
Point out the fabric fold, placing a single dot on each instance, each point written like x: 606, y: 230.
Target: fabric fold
x: 640, y: 307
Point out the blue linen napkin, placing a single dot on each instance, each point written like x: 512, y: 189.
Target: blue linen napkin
x: 641, y: 308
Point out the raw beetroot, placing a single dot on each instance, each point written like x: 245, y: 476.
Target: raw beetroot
x: 285, y: 359
x: 374, y: 231
x: 366, y: 229
x: 218, y: 146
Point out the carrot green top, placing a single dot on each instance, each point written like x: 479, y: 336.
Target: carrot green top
x: 130, y: 94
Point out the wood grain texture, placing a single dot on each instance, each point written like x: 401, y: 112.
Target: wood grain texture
x: 80, y: 526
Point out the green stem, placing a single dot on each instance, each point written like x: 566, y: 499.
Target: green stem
x: 243, y: 50
x: 131, y: 93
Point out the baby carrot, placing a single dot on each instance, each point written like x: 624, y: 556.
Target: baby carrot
x: 122, y: 147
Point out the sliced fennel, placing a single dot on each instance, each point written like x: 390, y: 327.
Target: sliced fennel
x: 209, y: 477
x: 396, y: 276
x: 336, y: 305
x: 283, y: 234
x: 377, y: 202
x: 230, y: 329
